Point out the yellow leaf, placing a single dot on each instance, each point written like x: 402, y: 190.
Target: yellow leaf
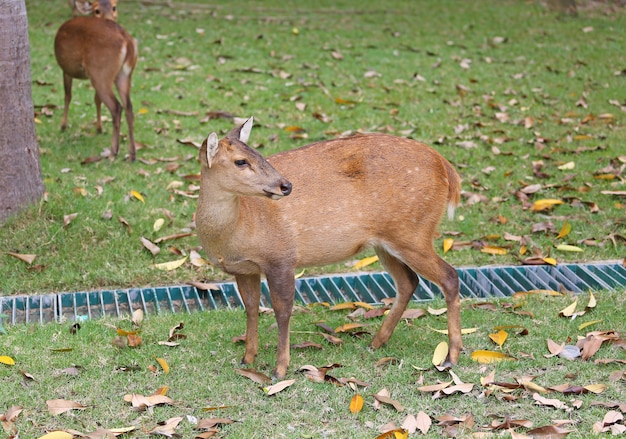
x: 544, y: 204
x: 349, y: 327
x: 567, y: 227
x: 356, y: 404
x: 569, y: 310
x: 499, y: 337
x: 365, y: 262
x: 485, y: 357
x: 137, y: 195
x: 7, y: 360
x: 440, y: 354
x: 437, y: 312
x: 171, y: 265
x: 464, y: 331
x: 164, y: 365
x: 596, y: 388
x: 592, y: 301
x: 299, y: 275
x: 493, y: 250
x: 567, y: 166
x: 584, y: 325
x: 56, y: 435
x: 447, y: 244
x: 158, y: 224
x: 550, y: 261
x: 143, y: 110
x: 568, y: 248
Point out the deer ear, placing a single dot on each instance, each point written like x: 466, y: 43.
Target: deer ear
x: 212, y: 143
x: 82, y: 6
x: 244, y: 131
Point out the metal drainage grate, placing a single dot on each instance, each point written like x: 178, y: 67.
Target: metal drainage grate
x: 483, y: 282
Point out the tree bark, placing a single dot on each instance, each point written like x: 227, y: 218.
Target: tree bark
x: 21, y: 182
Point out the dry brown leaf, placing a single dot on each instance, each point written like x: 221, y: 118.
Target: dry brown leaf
x: 209, y: 423
x: 140, y: 402
x: 540, y: 400
x: 58, y: 406
x: 387, y: 400
x: 167, y: 428
x: 254, y: 375
x: 29, y: 259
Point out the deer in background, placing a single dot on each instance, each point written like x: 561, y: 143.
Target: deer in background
x: 95, y: 47
x: 340, y: 197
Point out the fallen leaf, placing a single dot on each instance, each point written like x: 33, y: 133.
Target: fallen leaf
x: 57, y: 435
x: 386, y: 400
x: 58, y: 406
x: 29, y: 259
x: 171, y: 265
x: 569, y: 310
x: 486, y: 357
x: 499, y: 337
x: 356, y: 403
x: 164, y: 365
x: 255, y: 376
x: 4, y: 359
x: 549, y: 402
x: 365, y: 262
x: 545, y: 204
x: 565, y: 230
x: 167, y: 428
x: 440, y: 354
x: 278, y: 387
x: 152, y: 247
x: 137, y: 195
x: 568, y: 248
x: 584, y: 325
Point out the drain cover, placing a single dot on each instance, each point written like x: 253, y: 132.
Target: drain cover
x: 483, y: 282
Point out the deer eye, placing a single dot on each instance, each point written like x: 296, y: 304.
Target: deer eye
x: 241, y: 163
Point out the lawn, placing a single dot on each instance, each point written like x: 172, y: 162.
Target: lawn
x: 92, y: 367
x: 525, y: 113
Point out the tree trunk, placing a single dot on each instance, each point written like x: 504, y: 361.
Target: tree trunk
x: 21, y: 181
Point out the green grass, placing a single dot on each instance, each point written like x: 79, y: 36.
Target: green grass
x: 202, y: 372
x: 261, y: 58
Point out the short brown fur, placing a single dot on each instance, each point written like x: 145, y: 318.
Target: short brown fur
x: 374, y: 190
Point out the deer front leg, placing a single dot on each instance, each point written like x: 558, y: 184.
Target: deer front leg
x: 281, y: 282
x: 250, y: 290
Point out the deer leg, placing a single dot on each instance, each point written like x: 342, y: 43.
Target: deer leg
x: 98, y: 102
x: 104, y: 92
x: 281, y: 282
x: 405, y: 281
x: 123, y: 87
x: 423, y: 259
x: 67, y: 86
x: 250, y: 289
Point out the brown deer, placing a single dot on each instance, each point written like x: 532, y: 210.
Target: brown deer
x: 372, y: 190
x: 97, y: 48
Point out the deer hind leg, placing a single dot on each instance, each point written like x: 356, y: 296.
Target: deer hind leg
x: 405, y: 281
x: 104, y: 92
x: 98, y: 113
x: 250, y: 290
x: 424, y: 260
x: 67, y: 86
x: 123, y: 87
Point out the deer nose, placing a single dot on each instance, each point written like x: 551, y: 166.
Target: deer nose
x: 285, y: 188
